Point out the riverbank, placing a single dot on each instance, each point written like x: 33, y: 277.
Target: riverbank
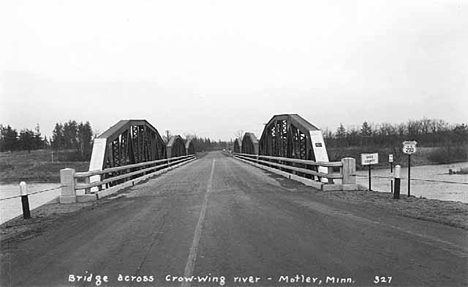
x: 39, y: 166
x: 40, y: 194
x: 429, y: 181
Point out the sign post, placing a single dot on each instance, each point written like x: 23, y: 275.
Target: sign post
x: 409, y: 147
x: 390, y: 160
x: 369, y: 159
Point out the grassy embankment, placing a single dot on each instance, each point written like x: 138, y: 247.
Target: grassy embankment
x: 423, y: 156
x: 37, y: 166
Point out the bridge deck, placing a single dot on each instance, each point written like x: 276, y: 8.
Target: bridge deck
x: 220, y: 217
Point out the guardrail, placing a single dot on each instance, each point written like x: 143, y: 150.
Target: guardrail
x: 307, y: 171
x: 79, y: 187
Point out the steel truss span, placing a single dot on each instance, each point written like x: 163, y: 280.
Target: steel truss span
x: 237, y: 146
x: 127, y: 142
x: 176, y: 147
x: 290, y: 135
x: 189, y: 147
x: 250, y: 144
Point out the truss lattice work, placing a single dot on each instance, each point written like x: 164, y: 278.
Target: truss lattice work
x: 250, y: 144
x: 237, y: 146
x: 189, y: 147
x: 176, y: 147
x: 127, y: 142
x: 290, y: 135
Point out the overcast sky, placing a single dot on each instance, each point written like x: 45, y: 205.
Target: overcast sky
x: 215, y: 67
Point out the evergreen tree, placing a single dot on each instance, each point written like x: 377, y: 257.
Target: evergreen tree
x: 26, y: 140
x: 9, y: 139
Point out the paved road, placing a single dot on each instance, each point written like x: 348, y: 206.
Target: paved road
x: 226, y: 222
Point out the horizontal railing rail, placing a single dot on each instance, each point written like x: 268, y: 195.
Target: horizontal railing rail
x: 126, y: 167
x: 346, y: 167
x: 295, y: 160
x: 107, y: 177
x: 126, y: 175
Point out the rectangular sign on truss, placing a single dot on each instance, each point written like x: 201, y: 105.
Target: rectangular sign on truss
x: 320, y: 151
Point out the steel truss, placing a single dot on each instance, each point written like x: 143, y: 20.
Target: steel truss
x: 176, y: 147
x: 249, y: 144
x: 127, y: 142
x: 288, y: 135
x: 189, y: 147
x: 237, y: 146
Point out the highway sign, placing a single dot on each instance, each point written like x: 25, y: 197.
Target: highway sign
x: 409, y: 147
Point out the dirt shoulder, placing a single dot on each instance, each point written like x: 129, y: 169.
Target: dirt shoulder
x: 41, y: 217
x: 446, y: 212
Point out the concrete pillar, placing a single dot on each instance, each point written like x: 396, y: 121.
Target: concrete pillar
x: 349, y: 170
x: 67, y: 180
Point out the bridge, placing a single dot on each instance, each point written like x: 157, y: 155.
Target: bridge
x: 269, y: 213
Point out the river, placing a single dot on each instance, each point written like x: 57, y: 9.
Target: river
x: 11, y: 208
x: 429, y: 181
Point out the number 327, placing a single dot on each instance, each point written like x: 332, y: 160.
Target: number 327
x: 381, y: 279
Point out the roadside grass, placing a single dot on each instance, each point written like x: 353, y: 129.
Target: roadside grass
x: 451, y: 213
x: 37, y: 166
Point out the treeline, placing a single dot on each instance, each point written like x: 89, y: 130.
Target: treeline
x: 427, y: 132
x: 200, y: 144
x: 26, y: 139
x: 449, y: 142
x: 205, y: 144
x: 68, y: 136
x: 73, y: 135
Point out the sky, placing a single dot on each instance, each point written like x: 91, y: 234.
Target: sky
x: 214, y: 68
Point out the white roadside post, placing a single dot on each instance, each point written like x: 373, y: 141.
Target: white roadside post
x: 390, y: 160
x: 396, y: 194
x: 25, y: 200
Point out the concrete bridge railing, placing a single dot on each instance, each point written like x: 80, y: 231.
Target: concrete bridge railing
x: 297, y: 169
x: 77, y: 186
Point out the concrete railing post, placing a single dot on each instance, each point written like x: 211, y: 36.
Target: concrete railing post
x: 349, y: 170
x: 330, y: 172
x: 67, y: 180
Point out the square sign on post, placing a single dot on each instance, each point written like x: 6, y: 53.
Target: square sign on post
x: 369, y: 159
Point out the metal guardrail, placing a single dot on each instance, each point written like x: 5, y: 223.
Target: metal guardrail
x: 346, y: 174
x: 70, y: 185
x: 157, y: 164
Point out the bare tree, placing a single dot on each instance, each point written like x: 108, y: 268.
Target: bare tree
x: 167, y: 136
x: 240, y: 135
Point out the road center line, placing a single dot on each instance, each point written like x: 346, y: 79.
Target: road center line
x: 190, y: 266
